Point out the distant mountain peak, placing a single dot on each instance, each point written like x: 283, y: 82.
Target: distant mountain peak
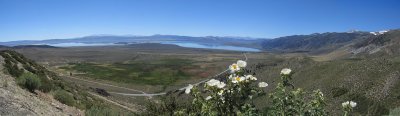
x: 379, y: 32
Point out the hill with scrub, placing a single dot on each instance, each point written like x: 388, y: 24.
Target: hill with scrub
x: 30, y: 89
x: 322, y: 43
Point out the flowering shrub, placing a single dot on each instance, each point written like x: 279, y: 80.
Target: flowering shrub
x: 348, y: 107
x: 229, y: 97
x: 232, y: 96
x: 292, y: 102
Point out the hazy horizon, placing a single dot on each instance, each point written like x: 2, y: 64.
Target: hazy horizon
x: 47, y: 19
x: 130, y: 35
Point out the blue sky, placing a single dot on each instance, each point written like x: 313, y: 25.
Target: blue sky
x: 54, y: 19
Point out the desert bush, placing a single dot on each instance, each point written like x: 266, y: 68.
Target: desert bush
x: 29, y: 81
x: 106, y: 111
x: 395, y: 112
x: 166, y: 106
x: 339, y: 91
x: 47, y: 85
x: 12, y: 69
x: 100, y: 111
x: 373, y: 107
x: 11, y: 64
x: 286, y: 100
x: 230, y: 97
x: 64, y: 97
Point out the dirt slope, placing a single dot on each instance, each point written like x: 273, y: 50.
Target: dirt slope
x: 15, y: 101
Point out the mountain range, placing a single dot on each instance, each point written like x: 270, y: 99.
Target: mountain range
x: 208, y: 40
x: 353, y: 42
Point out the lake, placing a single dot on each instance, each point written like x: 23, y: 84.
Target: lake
x: 80, y: 44
x: 220, y: 47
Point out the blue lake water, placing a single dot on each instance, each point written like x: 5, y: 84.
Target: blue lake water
x: 182, y: 44
x: 80, y: 44
x: 221, y: 47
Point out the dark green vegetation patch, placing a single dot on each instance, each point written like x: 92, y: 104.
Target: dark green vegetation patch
x: 64, y: 97
x: 339, y: 91
x: 29, y: 81
x: 162, y: 72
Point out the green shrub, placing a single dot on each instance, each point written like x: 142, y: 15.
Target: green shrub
x: 166, y: 106
x: 64, y: 97
x: 395, y: 112
x: 337, y: 91
x: 29, y: 81
x: 11, y: 64
x: 105, y: 111
x: 367, y: 106
x: 13, y: 69
x: 47, y: 85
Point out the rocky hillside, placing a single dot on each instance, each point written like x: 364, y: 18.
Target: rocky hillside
x: 16, y: 101
x: 28, y: 88
x: 314, y: 43
x: 383, y: 44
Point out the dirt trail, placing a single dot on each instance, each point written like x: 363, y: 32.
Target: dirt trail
x: 112, y: 102
x: 104, y: 84
x: 135, y: 94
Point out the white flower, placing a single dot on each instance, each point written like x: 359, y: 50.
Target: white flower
x: 222, y: 99
x: 262, y: 84
x: 286, y: 71
x: 250, y: 96
x: 221, y: 85
x: 353, y: 104
x: 212, y: 82
x: 234, y: 80
x: 320, y: 93
x: 220, y: 92
x: 229, y: 91
x: 349, y: 103
x: 231, y: 76
x: 188, y: 88
x: 253, y: 78
x: 217, y: 83
x: 234, y: 67
x: 237, y: 79
x: 250, y: 77
x: 344, y: 104
x: 208, y: 97
x: 241, y: 63
x: 247, y: 77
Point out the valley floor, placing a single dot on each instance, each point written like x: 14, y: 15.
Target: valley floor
x: 360, y: 79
